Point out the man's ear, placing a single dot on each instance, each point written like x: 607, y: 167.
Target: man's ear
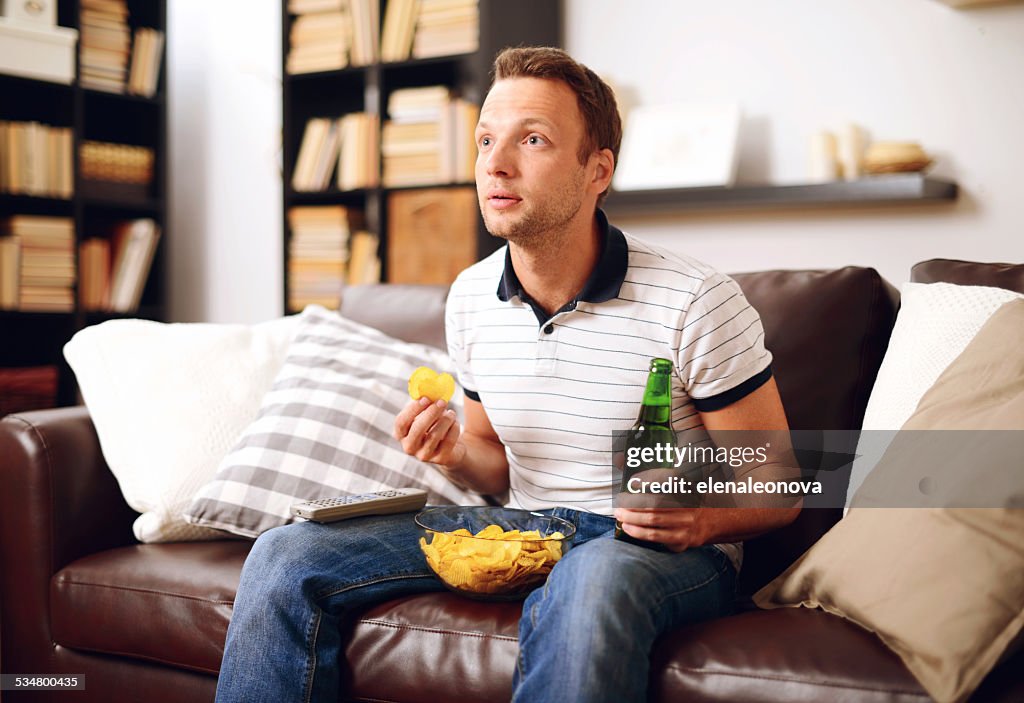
x: 605, y: 169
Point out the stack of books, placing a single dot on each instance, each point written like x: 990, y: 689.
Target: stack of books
x: 320, y: 36
x: 42, y: 250
x: 114, y: 267
x: 446, y: 27
x: 429, y: 138
x: 105, y: 44
x: 116, y: 163
x: 317, y: 255
x: 347, y: 145
x: 147, y: 51
x: 35, y: 159
x: 327, y: 35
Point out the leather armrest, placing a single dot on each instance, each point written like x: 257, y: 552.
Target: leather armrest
x: 58, y: 502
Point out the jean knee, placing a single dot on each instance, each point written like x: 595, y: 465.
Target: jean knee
x: 596, y: 582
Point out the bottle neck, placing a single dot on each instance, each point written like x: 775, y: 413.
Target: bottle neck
x: 657, y: 403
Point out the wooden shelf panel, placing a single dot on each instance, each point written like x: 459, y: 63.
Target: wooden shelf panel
x: 874, y: 190
x: 33, y: 205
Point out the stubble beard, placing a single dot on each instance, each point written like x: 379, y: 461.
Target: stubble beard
x: 541, y: 226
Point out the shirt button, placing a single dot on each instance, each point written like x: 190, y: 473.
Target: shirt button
x: 549, y: 329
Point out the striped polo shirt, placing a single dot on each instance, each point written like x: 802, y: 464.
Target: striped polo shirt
x: 556, y: 387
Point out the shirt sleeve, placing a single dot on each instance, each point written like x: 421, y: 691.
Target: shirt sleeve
x: 722, y: 356
x: 454, y: 329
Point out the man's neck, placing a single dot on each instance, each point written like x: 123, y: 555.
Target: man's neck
x: 553, y: 274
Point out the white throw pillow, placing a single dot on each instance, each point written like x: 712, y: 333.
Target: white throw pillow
x: 935, y: 324
x: 168, y: 402
x: 325, y: 429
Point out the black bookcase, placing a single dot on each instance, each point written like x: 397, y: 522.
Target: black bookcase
x: 367, y: 88
x: 37, y: 338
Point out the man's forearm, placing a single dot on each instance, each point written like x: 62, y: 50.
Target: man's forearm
x: 483, y: 467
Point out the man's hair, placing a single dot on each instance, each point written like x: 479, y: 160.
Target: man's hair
x: 596, y: 100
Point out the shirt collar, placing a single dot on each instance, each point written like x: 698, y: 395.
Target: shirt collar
x: 604, y: 281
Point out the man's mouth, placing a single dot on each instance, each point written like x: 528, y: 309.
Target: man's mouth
x: 501, y: 199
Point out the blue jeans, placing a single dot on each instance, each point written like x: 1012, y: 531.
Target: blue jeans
x: 586, y: 633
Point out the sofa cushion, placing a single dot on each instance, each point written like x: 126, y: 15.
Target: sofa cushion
x: 889, y: 570
x: 969, y: 273
x: 168, y: 402
x: 453, y: 649
x: 168, y: 603
x: 828, y: 332
x: 325, y: 429
x: 412, y: 313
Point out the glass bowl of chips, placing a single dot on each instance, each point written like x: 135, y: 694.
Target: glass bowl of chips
x: 492, y: 553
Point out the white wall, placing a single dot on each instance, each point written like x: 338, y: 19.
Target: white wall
x: 912, y: 70
x: 225, y: 184
x: 904, y: 69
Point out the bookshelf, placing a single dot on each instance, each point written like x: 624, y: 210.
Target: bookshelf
x: 368, y: 88
x: 97, y: 207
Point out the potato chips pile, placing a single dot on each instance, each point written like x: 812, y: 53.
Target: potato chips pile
x: 424, y: 381
x: 492, y: 561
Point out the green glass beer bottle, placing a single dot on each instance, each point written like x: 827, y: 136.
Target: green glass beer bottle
x: 652, y: 431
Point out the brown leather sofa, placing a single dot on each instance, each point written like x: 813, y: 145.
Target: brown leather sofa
x: 146, y: 622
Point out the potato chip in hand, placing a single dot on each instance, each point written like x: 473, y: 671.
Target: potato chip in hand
x: 427, y: 382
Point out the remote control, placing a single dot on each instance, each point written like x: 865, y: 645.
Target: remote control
x: 398, y: 500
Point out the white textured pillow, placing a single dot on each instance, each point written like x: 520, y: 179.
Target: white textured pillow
x: 168, y: 402
x: 935, y: 324
x: 324, y: 429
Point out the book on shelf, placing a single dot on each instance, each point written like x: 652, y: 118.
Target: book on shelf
x: 301, y: 7
x: 45, y: 270
x: 35, y: 159
x: 429, y: 138
x: 399, y: 29
x: 10, y: 267
x: 104, y: 45
x: 364, y: 261
x: 112, y: 57
x: 318, y: 253
x: 94, y: 274
x: 319, y: 41
x: 365, y: 31
x: 147, y: 52
x: 446, y: 27
x: 134, y: 247
x: 359, y: 157
x: 347, y: 146
x: 432, y: 234
x: 328, y: 36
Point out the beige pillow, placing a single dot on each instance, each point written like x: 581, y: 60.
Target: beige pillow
x: 943, y: 588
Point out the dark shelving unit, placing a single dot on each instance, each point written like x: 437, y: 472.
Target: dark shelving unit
x: 38, y: 338
x: 890, y: 189
x: 367, y: 88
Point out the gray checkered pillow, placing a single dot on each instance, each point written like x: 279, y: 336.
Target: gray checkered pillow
x: 324, y: 429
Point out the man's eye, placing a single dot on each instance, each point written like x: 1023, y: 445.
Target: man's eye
x: 533, y: 139
x: 485, y: 141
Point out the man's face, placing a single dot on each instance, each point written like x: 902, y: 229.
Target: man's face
x: 528, y: 176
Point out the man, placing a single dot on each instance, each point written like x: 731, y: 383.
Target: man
x: 552, y: 337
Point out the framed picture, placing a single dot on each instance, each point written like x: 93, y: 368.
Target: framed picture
x: 679, y: 146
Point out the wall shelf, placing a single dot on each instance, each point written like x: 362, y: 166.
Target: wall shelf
x: 894, y: 189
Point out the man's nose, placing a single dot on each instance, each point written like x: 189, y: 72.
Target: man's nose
x: 500, y: 160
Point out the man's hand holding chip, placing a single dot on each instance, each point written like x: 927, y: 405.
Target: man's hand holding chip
x: 472, y: 456
x: 430, y: 432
